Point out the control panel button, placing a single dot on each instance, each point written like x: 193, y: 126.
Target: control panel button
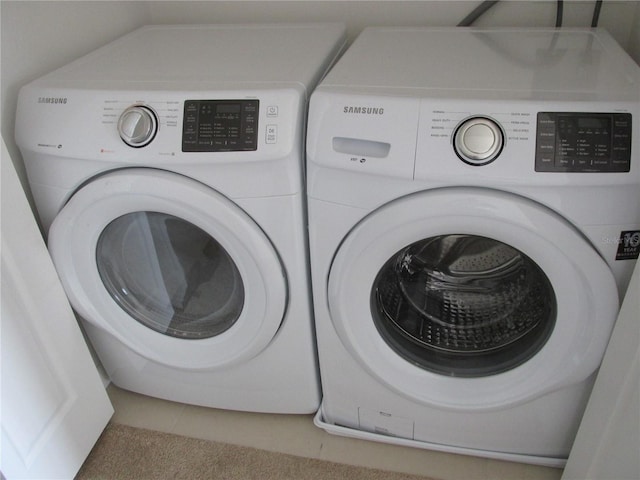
x: 138, y: 126
x: 478, y: 140
x: 272, y: 111
x: 271, y: 134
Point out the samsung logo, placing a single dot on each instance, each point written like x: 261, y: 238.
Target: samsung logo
x: 53, y: 100
x: 364, y: 110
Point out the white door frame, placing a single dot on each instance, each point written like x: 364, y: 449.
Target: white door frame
x: 54, y: 405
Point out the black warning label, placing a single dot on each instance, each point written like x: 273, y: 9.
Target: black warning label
x: 628, y: 245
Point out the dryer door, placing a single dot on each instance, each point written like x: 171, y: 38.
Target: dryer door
x: 169, y: 267
x: 471, y: 299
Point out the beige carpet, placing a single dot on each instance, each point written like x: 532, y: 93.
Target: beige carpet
x: 124, y: 452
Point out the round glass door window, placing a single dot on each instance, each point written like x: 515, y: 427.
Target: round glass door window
x: 170, y: 275
x: 463, y: 305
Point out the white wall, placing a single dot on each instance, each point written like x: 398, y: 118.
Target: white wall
x: 37, y: 37
x: 618, y: 17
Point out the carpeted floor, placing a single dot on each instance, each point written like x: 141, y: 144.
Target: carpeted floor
x: 124, y: 452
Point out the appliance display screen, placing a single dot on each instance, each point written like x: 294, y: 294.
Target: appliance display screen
x: 583, y: 142
x: 220, y: 125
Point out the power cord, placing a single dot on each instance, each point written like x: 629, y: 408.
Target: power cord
x: 559, y: 12
x: 487, y: 4
x: 477, y: 13
x: 596, y: 14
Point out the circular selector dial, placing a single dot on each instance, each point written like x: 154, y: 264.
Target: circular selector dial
x: 138, y: 126
x: 478, y: 140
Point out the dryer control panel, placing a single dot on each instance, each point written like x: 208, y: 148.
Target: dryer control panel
x: 220, y: 126
x: 583, y: 142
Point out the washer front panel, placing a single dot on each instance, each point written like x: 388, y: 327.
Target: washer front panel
x: 585, y: 291
x: 80, y: 227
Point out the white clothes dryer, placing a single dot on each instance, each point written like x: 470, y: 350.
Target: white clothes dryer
x: 474, y: 209
x: 167, y: 169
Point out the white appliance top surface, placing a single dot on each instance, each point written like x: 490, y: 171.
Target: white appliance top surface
x: 206, y: 54
x: 498, y: 60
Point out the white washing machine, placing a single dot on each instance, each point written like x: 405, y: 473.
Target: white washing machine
x: 167, y: 169
x: 474, y: 209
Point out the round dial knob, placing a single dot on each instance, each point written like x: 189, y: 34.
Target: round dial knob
x: 478, y: 140
x: 137, y: 126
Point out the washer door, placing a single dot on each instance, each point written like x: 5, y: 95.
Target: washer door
x: 471, y: 299
x: 171, y: 268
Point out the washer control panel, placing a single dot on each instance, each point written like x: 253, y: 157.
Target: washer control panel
x: 583, y: 142
x: 220, y: 125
